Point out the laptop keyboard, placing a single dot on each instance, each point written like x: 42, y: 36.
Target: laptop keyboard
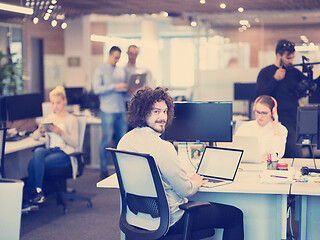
x: 212, y: 180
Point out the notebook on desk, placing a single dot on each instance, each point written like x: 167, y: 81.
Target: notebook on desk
x: 219, y: 165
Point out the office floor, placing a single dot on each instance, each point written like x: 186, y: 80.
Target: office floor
x: 81, y: 223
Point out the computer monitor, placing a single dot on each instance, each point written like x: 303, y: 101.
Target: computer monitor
x: 3, y: 113
x: 315, y: 97
x: 307, y: 125
x: 75, y: 95
x: 23, y: 106
x: 201, y: 122
x: 245, y: 91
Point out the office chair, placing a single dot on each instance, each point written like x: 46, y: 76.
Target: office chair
x: 2, y: 146
x: 57, y: 178
x: 144, y: 205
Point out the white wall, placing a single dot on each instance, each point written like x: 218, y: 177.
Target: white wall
x: 77, y: 45
x: 217, y: 85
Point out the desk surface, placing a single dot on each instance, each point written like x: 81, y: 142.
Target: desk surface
x: 305, y: 188
x: 26, y: 143
x: 245, y: 182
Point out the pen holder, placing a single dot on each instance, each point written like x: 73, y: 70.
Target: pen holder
x: 272, y: 161
x: 272, y: 165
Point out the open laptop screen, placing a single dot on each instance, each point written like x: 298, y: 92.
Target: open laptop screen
x: 219, y: 163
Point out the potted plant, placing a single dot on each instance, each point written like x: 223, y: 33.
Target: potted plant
x: 11, y: 75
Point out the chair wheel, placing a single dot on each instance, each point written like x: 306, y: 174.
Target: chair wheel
x: 89, y: 204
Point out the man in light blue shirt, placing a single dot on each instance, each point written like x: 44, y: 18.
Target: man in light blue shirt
x: 109, y: 83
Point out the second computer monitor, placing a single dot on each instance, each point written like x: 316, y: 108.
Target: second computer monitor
x: 23, y: 106
x: 201, y: 121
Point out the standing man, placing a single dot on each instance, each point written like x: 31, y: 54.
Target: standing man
x: 132, y: 52
x: 149, y: 112
x: 282, y: 81
x: 131, y: 67
x: 109, y: 83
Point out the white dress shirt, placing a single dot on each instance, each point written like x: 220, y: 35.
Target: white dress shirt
x: 269, y: 142
x: 177, y: 184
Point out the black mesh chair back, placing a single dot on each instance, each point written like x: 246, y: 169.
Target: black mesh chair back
x: 144, y: 205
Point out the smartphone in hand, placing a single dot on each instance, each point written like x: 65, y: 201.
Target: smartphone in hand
x: 46, y: 126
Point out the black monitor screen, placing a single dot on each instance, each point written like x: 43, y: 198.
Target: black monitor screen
x: 244, y: 91
x: 201, y: 121
x: 307, y: 125
x: 315, y: 97
x: 74, y: 95
x: 3, y: 113
x: 23, y: 106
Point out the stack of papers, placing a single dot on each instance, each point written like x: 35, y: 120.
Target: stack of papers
x: 277, y: 176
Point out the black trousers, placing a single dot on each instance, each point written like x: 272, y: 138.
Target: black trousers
x: 216, y: 216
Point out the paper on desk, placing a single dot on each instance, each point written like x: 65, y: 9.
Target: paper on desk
x: 277, y: 176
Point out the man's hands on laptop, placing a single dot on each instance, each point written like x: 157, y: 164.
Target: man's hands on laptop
x: 198, y: 180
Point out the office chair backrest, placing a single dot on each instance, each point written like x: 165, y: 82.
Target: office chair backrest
x: 77, y: 167
x: 82, y: 128
x: 144, y: 202
x: 2, y: 148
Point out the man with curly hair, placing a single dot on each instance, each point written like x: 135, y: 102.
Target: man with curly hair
x: 149, y: 112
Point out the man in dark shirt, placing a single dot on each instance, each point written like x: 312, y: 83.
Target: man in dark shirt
x: 281, y: 81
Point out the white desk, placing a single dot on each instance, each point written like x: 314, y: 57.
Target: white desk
x: 95, y: 139
x: 264, y: 205
x: 17, y: 157
x: 308, y: 202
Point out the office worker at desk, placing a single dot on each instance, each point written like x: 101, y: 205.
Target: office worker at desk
x: 150, y: 111
x: 270, y: 132
x: 61, y: 139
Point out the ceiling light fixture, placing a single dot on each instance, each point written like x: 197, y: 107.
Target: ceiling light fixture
x: 202, y: 1
x: 35, y: 20
x: 54, y: 23
x: 223, y: 5
x: 240, y: 9
x: 17, y: 9
x: 64, y: 25
x: 244, y: 22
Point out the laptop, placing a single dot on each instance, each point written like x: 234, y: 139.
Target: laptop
x: 219, y: 165
x: 249, y: 144
x: 136, y: 81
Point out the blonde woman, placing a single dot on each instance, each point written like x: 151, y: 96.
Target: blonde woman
x: 271, y: 133
x: 61, y: 139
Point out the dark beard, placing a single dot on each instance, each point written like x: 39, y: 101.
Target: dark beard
x: 163, y: 129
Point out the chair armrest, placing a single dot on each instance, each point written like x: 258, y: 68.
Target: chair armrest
x: 76, y: 154
x: 80, y: 160
x: 190, y: 206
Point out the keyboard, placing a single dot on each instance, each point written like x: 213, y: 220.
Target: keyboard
x: 212, y: 180
x: 15, y: 138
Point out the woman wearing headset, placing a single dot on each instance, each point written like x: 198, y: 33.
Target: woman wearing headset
x: 271, y: 134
